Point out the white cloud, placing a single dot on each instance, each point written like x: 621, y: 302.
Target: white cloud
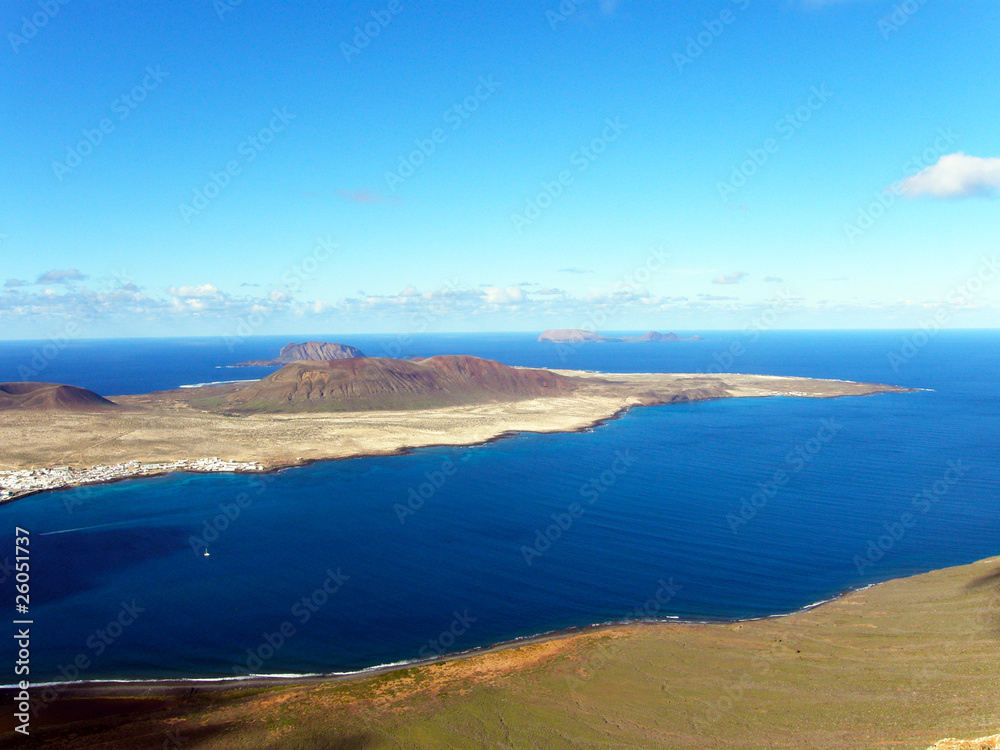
x: 955, y: 175
x: 202, y: 290
x: 122, y: 302
x: 730, y: 278
x: 497, y: 295
x: 60, y: 277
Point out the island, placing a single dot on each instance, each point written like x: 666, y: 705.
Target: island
x: 310, y: 350
x: 581, y: 336
x: 343, y: 408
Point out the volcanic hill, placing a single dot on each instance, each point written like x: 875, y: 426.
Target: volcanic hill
x: 314, y: 351
x: 365, y: 383
x: 51, y: 397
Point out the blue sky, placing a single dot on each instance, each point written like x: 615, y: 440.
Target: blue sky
x: 207, y: 166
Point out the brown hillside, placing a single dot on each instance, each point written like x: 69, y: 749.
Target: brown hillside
x: 51, y: 397
x: 382, y: 383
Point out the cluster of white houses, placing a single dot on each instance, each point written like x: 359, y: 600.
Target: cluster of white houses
x: 16, y: 483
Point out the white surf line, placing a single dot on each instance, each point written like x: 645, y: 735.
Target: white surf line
x: 218, y: 382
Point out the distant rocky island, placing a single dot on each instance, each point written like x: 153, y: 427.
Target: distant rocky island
x: 309, y: 351
x: 580, y: 336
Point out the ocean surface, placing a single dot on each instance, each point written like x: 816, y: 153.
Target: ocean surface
x: 709, y: 511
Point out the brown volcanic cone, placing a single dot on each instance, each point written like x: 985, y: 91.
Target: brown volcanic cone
x: 382, y: 383
x: 51, y: 397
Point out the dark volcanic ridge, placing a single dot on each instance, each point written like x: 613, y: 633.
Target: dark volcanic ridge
x: 580, y: 336
x: 51, y: 397
x: 365, y: 383
x: 313, y: 351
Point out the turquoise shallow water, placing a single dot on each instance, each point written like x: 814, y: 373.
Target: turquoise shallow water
x: 717, y: 510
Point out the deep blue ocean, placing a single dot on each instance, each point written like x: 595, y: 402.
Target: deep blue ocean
x: 717, y: 510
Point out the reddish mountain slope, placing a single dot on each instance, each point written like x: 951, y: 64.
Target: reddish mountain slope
x: 381, y: 383
x: 51, y: 397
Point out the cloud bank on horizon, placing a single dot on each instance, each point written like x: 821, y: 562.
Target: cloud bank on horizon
x: 410, y: 152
